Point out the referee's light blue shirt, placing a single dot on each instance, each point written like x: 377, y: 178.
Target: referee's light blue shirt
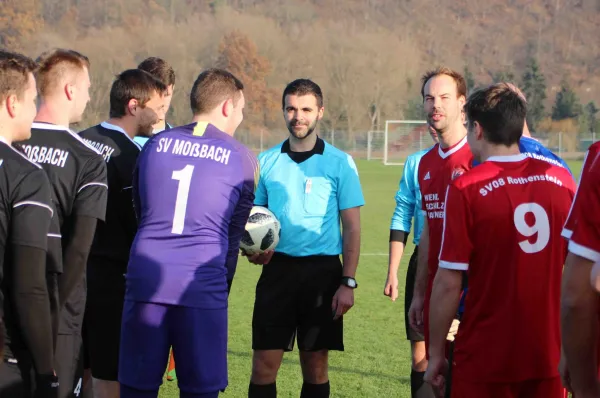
x: 307, y: 197
x: 408, y: 198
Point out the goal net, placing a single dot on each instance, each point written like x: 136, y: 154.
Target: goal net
x: 402, y: 138
x: 375, y: 144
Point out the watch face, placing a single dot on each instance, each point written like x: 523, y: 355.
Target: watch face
x: 351, y: 282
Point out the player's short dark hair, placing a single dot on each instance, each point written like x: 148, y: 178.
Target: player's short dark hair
x: 301, y: 87
x: 212, y: 87
x: 160, y: 69
x: 14, y: 74
x: 133, y: 84
x: 55, y: 64
x: 500, y: 111
x: 461, y: 83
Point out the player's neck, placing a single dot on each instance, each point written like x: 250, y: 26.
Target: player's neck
x: 452, y: 136
x: 160, y: 126
x: 303, y: 145
x: 492, y: 150
x: 219, y: 123
x: 53, y: 113
x: 6, y: 136
x: 128, y: 127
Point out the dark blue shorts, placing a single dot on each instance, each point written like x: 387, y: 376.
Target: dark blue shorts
x: 199, y: 341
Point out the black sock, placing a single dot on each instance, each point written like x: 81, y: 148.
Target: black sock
x: 315, y: 390
x: 262, y: 391
x: 418, y: 388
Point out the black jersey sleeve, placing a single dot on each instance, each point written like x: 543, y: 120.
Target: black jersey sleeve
x: 32, y: 211
x: 136, y: 194
x: 92, y: 191
x: 32, y: 305
x: 76, y: 252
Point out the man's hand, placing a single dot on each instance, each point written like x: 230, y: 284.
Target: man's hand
x: 391, y: 287
x: 415, y: 314
x: 259, y: 259
x: 342, y: 301
x: 435, y: 375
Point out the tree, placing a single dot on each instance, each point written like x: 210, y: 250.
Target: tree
x: 534, y: 89
x: 588, y: 122
x: 566, y: 104
x: 239, y: 55
x: 503, y: 76
x: 19, y: 21
x: 469, y: 79
x: 414, y: 109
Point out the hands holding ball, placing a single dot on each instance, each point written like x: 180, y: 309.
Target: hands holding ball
x: 261, y: 235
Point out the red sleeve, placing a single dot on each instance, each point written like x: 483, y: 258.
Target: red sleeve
x: 590, y: 156
x: 585, y: 241
x: 456, y: 241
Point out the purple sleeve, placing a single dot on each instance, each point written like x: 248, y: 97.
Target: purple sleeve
x: 242, y: 211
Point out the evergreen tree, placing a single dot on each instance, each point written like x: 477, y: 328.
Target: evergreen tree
x: 534, y: 89
x: 469, y: 79
x: 566, y: 104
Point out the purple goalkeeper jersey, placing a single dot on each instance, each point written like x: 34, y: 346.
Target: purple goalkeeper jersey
x: 193, y: 189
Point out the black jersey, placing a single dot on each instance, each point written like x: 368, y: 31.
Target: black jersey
x: 76, y: 171
x: 26, y: 212
x: 114, y: 237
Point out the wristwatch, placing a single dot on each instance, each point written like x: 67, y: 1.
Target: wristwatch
x: 350, y: 282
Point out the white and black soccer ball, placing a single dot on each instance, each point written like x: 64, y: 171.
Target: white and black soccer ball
x: 262, y: 231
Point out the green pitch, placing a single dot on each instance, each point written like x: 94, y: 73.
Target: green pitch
x: 376, y: 362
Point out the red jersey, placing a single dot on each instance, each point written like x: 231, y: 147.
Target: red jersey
x: 437, y: 169
x: 502, y: 225
x: 590, y: 155
x: 585, y: 241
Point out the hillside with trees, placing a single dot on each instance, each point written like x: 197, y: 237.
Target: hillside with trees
x: 368, y: 55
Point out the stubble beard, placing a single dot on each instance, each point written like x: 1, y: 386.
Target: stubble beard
x: 311, y: 128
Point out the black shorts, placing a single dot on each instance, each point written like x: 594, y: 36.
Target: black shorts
x: 103, y: 336
x: 103, y: 313
x: 293, y: 300
x: 411, y: 274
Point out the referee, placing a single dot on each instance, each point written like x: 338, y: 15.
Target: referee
x: 26, y: 212
x: 408, y: 206
x: 304, y: 290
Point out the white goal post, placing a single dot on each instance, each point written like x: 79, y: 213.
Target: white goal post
x: 402, y: 138
x: 375, y: 144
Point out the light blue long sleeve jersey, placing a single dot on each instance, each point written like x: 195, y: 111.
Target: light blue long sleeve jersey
x: 408, y: 198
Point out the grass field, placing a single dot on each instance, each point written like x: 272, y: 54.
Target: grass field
x: 376, y: 362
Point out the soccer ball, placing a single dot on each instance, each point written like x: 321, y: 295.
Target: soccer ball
x: 262, y: 231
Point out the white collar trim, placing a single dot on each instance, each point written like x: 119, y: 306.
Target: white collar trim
x: 508, y: 158
x: 457, y: 147
x: 110, y: 126
x: 57, y: 127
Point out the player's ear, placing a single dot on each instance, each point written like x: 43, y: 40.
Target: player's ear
x: 478, y: 131
x: 227, y: 107
x: 11, y: 105
x: 132, y: 106
x: 69, y: 91
x: 461, y: 102
x: 320, y: 113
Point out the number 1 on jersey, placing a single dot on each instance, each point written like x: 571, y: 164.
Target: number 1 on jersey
x: 184, y: 176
